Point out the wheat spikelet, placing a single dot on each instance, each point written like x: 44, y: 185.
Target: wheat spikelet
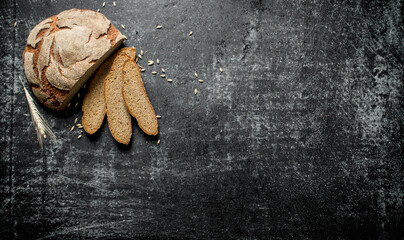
x: 41, y: 126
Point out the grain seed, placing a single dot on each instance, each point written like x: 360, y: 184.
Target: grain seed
x: 158, y: 116
x: 162, y: 70
x: 114, y: 3
x: 122, y: 26
x: 159, y: 27
x: 78, y: 95
x: 154, y: 72
x: 190, y: 33
x: 158, y: 61
x: 141, y: 52
x: 98, y: 10
x: 71, y: 129
x: 81, y: 126
x: 15, y: 24
x: 169, y: 80
x: 196, y: 91
x: 158, y: 142
x: 139, y: 56
x: 85, y: 86
x: 200, y: 80
x: 196, y: 75
x: 77, y: 103
x: 150, y: 63
x: 79, y: 136
x: 221, y: 69
x: 68, y: 105
x: 142, y: 70
x: 103, y: 4
x: 163, y: 75
x: 75, y: 121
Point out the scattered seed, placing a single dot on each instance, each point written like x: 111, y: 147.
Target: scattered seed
x: 71, y: 129
x: 114, y: 3
x: 122, y: 26
x: 158, y: 116
x: 158, y: 142
x: 139, y: 56
x: 68, y: 105
x: 163, y: 75
x: 141, y: 52
x: 80, y: 126
x: 196, y: 91
x: 142, y: 70
x: 190, y: 33
x: 98, y: 10
x: 15, y: 24
x: 200, y: 80
x: 85, y: 86
x: 79, y: 136
x: 44, y: 136
x: 169, y: 80
x: 150, y: 63
x: 77, y: 103
x: 162, y: 70
x: 221, y: 69
x: 103, y: 4
x: 158, y: 61
x: 154, y: 72
x: 75, y: 121
x: 140, y: 66
x: 78, y: 95
x: 196, y: 75
x: 159, y: 27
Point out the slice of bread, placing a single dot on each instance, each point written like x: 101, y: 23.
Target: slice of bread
x: 136, y: 100
x: 119, y: 119
x: 94, y: 106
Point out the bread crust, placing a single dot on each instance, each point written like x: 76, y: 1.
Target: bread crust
x: 57, y: 97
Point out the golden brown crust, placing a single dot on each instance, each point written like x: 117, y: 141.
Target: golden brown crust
x: 51, y: 96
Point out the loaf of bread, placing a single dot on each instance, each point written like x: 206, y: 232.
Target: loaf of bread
x: 136, y: 100
x: 63, y: 51
x: 119, y: 119
x: 94, y: 106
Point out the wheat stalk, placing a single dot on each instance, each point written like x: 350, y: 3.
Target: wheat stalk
x: 41, y: 126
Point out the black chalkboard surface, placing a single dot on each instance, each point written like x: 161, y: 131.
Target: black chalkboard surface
x: 300, y: 136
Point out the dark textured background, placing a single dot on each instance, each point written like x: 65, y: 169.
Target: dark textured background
x: 300, y: 137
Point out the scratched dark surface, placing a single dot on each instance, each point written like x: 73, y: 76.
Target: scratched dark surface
x: 300, y: 137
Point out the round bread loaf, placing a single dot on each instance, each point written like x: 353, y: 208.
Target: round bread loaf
x: 63, y: 51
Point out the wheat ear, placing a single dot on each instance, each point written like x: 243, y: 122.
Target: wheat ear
x: 41, y: 126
